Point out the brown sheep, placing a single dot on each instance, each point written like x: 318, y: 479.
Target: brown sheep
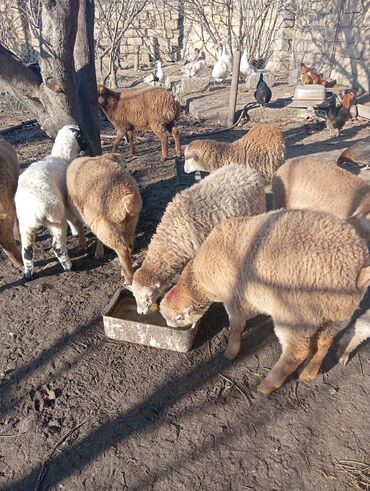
x: 102, y: 194
x: 148, y: 109
x: 261, y: 149
x: 9, y: 173
x: 308, y: 182
x: 307, y: 269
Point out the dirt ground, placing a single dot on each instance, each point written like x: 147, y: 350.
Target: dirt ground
x: 79, y: 411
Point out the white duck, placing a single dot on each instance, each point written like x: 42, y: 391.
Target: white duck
x: 155, y: 78
x: 246, y: 69
x: 220, y: 68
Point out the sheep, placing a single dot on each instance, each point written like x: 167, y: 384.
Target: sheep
x: 262, y: 148
x: 308, y: 182
x: 307, y: 269
x: 148, y: 109
x: 9, y: 173
x: 104, y: 196
x: 359, y: 332
x: 41, y: 199
x: 188, y: 219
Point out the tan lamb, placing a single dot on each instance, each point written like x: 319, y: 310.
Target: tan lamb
x: 230, y: 192
x: 103, y: 195
x: 307, y: 269
x: 148, y: 109
x: 9, y: 173
x: 359, y: 332
x: 310, y: 183
x: 262, y: 149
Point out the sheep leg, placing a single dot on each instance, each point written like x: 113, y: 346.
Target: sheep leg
x: 8, y: 243
x: 27, y: 239
x: 162, y: 135
x: 130, y: 134
x: 319, y: 345
x: 77, y: 228
x: 59, y: 234
x: 359, y: 336
x: 237, y: 324
x: 117, y: 141
x: 295, y: 351
x: 99, y: 250
x: 176, y: 136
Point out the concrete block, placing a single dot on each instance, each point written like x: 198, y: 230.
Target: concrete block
x: 252, y: 81
x: 193, y: 85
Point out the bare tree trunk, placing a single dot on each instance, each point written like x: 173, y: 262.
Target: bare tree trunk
x: 59, y: 96
x: 86, y: 78
x: 234, y: 88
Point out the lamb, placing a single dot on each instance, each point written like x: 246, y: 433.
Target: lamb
x: 308, y: 182
x: 9, y: 173
x: 229, y: 192
x: 41, y: 199
x: 359, y: 332
x: 104, y: 196
x: 307, y: 269
x: 262, y: 148
x: 148, y: 109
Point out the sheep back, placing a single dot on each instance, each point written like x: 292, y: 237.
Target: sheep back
x: 188, y: 219
x: 299, y: 266
x: 99, y: 188
x: 309, y: 183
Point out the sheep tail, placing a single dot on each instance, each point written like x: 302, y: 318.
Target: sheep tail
x: 363, y: 279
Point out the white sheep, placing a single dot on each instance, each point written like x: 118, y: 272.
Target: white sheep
x: 41, y: 199
x: 229, y: 192
x: 307, y: 269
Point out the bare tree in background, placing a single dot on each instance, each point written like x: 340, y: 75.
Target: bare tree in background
x: 113, y: 18
x: 63, y: 90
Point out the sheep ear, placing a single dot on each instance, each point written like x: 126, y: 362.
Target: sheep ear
x: 192, y: 155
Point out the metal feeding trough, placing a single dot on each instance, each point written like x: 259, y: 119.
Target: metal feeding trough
x: 308, y: 95
x: 184, y: 179
x: 123, y: 323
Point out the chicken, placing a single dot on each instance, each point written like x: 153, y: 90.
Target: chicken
x: 246, y: 69
x: 337, y: 116
x: 263, y: 92
x: 310, y: 76
x: 305, y: 74
x: 220, y: 68
x: 358, y: 153
x: 156, y: 77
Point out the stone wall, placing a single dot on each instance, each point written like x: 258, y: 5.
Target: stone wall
x: 335, y: 37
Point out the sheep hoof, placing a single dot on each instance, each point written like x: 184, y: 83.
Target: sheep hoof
x: 344, y: 359
x: 307, y: 375
x: 265, y: 387
x: 28, y: 275
x: 230, y: 354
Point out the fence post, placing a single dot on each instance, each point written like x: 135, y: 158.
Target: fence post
x: 234, y: 88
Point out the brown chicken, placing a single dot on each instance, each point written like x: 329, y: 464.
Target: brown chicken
x: 310, y: 76
x: 338, y: 116
x: 358, y: 153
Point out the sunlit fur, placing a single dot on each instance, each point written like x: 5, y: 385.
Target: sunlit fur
x: 308, y: 270
x: 231, y: 191
x: 262, y: 149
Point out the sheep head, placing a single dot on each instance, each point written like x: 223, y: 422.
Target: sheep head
x: 146, y: 290
x: 68, y: 142
x: 192, y: 158
x: 179, y: 306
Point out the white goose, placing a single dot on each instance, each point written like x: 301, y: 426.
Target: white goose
x: 220, y: 68
x: 227, y: 58
x: 195, y: 68
x: 246, y: 69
